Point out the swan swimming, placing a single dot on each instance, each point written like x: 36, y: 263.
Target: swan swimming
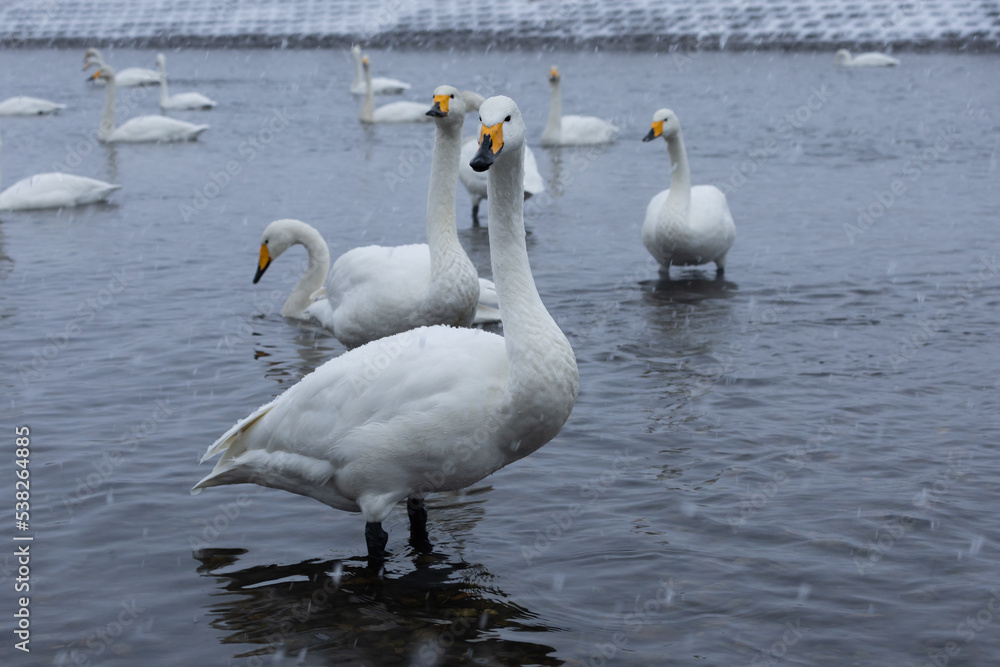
x: 685, y: 226
x: 140, y: 128
x: 127, y: 78
x: 394, y: 112
x: 179, y: 101
x: 377, y: 291
x: 54, y: 190
x: 28, y: 106
x: 572, y: 130
x: 844, y: 59
x: 428, y: 410
x: 380, y: 84
x: 475, y: 183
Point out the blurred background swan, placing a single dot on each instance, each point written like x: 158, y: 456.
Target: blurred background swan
x: 844, y: 59
x: 140, y: 128
x: 127, y: 78
x: 180, y: 101
x: 380, y: 84
x: 28, y: 106
x: 394, y: 112
x: 563, y: 130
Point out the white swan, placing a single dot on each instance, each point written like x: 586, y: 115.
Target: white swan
x: 432, y: 409
x: 307, y: 300
x: 475, y: 183
x: 844, y: 59
x: 380, y: 84
x: 127, y: 78
x: 685, y: 225
x: 28, y: 106
x: 180, y: 101
x: 54, y: 190
x: 394, y: 112
x: 573, y: 130
x: 140, y: 128
x: 377, y: 291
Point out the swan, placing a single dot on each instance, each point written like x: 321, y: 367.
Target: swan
x: 394, y: 112
x: 54, y: 190
x: 307, y: 300
x: 843, y: 58
x: 428, y: 410
x: 140, y: 128
x: 573, y: 130
x: 380, y: 84
x: 685, y: 225
x: 180, y: 101
x: 127, y: 78
x: 377, y: 291
x: 28, y: 106
x: 475, y: 183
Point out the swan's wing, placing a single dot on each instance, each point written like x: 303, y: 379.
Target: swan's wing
x: 474, y: 182
x: 136, y: 76
x: 402, y: 112
x: 381, y: 84
x: 378, y: 423
x: 54, y: 190
x: 587, y: 130
x: 533, y: 182
x: 27, y: 106
x: 473, y: 101
x: 157, y: 128
x: 488, y: 308
x: 190, y: 101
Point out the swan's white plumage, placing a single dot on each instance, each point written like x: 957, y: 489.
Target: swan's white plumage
x: 684, y: 225
x: 563, y: 130
x: 475, y: 183
x: 844, y: 58
x: 394, y: 112
x: 178, y: 101
x: 431, y: 409
x: 141, y: 128
x: 127, y: 78
x: 380, y: 84
x: 28, y: 106
x: 54, y: 190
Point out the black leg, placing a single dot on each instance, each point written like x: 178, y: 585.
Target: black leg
x: 417, y: 511
x: 376, y: 539
x: 475, y: 214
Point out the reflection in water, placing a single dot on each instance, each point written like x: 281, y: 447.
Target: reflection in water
x: 112, y: 171
x: 693, y: 286
x: 345, y: 612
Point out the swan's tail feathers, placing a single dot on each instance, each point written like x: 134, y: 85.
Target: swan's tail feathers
x: 230, y: 445
x: 198, y: 130
x: 318, y: 294
x: 488, y: 308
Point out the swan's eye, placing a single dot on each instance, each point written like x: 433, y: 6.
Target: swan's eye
x: 452, y: 96
x: 507, y: 119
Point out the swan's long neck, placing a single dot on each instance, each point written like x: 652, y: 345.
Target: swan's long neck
x: 554, y: 125
x: 680, y: 176
x: 108, y: 119
x: 357, y: 68
x: 316, y: 271
x: 368, y: 108
x: 164, y: 95
x: 442, y: 234
x: 536, y: 348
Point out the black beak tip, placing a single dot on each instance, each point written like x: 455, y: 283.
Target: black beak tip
x: 260, y: 272
x: 436, y: 113
x: 649, y: 136
x: 481, y: 162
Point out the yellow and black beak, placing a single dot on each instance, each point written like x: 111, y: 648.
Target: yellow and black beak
x: 94, y: 76
x: 263, y: 263
x: 490, y: 145
x: 655, y: 131
x: 553, y: 75
x: 440, y: 108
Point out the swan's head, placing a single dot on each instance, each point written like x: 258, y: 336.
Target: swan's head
x: 278, y: 237
x: 842, y: 56
x: 502, y: 127
x: 104, y: 73
x: 448, y: 103
x: 92, y: 58
x: 161, y: 61
x: 355, y: 50
x: 665, y: 124
x: 365, y: 63
x: 553, y: 74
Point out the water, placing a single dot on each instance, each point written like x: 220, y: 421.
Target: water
x: 796, y: 464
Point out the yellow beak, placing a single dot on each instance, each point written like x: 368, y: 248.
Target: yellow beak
x: 490, y: 145
x: 440, y: 107
x: 263, y: 263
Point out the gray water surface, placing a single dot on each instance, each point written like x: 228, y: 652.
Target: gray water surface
x: 795, y: 464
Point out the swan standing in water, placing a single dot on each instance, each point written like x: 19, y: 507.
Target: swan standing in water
x: 377, y: 291
x: 475, y: 183
x: 573, y: 130
x: 433, y: 409
x: 54, y: 190
x: 140, y: 128
x: 685, y: 226
x: 380, y: 84
x: 127, y: 78
x: 394, y: 112
x: 180, y: 101
x: 844, y: 59
x: 28, y: 106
